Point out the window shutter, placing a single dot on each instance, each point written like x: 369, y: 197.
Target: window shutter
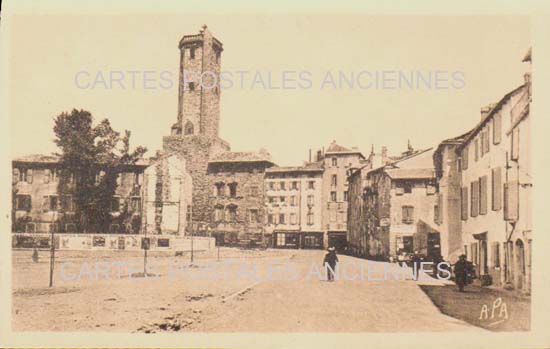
x: 465, y: 158
x: 29, y: 175
x: 47, y: 175
x: 15, y: 175
x: 476, y: 149
x: 511, y: 207
x: 45, y: 204
x: 497, y: 188
x: 474, y: 193
x: 482, y: 142
x: 483, y: 195
x: 497, y: 128
x: 464, y: 203
x: 440, y: 208
x: 515, y: 144
x: 496, y: 254
x: 28, y: 203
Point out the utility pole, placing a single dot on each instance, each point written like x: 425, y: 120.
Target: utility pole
x: 191, y: 219
x: 52, y: 250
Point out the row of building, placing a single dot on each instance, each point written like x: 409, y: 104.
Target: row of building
x: 468, y: 195
x: 196, y: 185
x: 471, y: 195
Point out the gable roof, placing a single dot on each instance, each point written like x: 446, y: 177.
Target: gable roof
x: 489, y: 116
x: 335, y: 148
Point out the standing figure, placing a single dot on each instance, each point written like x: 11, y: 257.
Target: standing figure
x: 461, y: 272
x: 330, y: 263
x: 35, y: 255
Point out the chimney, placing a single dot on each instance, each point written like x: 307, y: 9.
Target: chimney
x: 384, y: 152
x: 486, y: 109
x: 310, y: 155
x: 319, y: 155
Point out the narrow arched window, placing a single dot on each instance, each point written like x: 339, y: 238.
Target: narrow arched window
x: 189, y: 128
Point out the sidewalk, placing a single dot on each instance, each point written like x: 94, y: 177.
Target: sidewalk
x: 489, y: 308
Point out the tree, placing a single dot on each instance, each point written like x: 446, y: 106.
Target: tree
x: 91, y: 158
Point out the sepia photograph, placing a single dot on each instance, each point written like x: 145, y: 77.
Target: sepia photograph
x: 270, y: 174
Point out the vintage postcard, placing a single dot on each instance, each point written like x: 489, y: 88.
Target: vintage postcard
x: 193, y: 176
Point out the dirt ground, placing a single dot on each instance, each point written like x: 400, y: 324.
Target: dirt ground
x: 93, y: 294
x: 120, y: 304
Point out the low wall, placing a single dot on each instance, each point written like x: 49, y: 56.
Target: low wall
x: 112, y: 242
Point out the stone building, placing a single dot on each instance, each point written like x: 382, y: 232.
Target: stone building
x: 336, y: 161
x: 358, y: 236
x: 150, y: 197
x: 167, y: 193
x: 209, y: 160
x: 495, y: 178
x: 400, y: 203
x: 447, y: 169
x: 295, y: 205
x: 237, y: 197
x: 41, y: 204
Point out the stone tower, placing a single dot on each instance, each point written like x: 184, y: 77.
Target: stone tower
x: 195, y: 133
x: 199, y: 93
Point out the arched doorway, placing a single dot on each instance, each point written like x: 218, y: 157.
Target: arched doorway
x: 519, y: 264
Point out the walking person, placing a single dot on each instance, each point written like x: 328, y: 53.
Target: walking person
x: 330, y: 263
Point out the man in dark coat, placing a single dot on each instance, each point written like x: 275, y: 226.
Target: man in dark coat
x: 461, y: 272
x: 330, y: 263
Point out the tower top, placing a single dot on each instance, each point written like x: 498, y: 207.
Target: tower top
x: 203, y: 35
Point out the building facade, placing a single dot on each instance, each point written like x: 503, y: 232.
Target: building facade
x: 295, y: 206
x: 358, y: 214
x: 337, y: 160
x: 237, y: 198
x: 495, y: 192
x: 447, y: 211
x: 151, y: 198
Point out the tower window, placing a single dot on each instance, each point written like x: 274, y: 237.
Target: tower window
x: 232, y: 190
x: 189, y: 129
x: 192, y: 53
x: 192, y: 86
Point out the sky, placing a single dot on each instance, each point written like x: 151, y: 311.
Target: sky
x: 48, y: 51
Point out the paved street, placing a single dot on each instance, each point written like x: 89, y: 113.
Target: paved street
x: 162, y: 304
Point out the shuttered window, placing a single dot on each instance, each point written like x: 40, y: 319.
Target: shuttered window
x: 495, y: 251
x: 483, y: 195
x: 496, y: 192
x: 407, y: 214
x: 474, y: 193
x: 47, y: 175
x: 464, y: 203
x: 439, y: 209
x: 476, y: 149
x: 497, y: 128
x: 511, y: 204
x: 487, y: 142
x: 515, y: 144
x: 29, y: 175
x: 465, y: 158
x: 482, y: 142
x: 15, y: 175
